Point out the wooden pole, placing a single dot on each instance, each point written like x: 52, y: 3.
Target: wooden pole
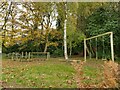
x: 26, y: 55
x: 112, y: 48
x: 22, y: 55
x: 85, y: 49
x: 48, y: 55
x: 16, y: 56
x: 29, y: 56
x: 111, y: 41
x: 12, y: 56
x: 98, y: 35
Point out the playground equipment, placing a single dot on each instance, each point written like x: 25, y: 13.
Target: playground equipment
x: 29, y: 56
x: 96, y: 38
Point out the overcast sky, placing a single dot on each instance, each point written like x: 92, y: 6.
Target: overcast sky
x: 53, y: 21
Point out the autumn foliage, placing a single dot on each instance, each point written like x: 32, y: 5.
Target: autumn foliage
x: 111, y: 74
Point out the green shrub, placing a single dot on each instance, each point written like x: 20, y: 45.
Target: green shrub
x: 58, y: 52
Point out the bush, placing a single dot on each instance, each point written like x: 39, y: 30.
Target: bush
x: 58, y: 52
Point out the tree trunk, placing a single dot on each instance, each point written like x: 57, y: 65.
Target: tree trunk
x: 92, y: 52
x: 70, y: 48
x: 65, y: 42
x: 87, y: 50
x: 45, y: 49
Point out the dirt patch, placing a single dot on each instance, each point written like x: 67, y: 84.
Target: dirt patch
x: 79, y: 73
x: 10, y: 63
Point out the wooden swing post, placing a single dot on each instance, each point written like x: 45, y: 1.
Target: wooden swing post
x: 111, y: 44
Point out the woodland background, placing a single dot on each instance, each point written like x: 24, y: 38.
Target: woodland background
x: 39, y: 27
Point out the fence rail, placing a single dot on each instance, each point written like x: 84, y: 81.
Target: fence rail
x: 27, y: 56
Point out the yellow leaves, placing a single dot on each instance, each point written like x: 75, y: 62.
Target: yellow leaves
x: 52, y: 44
x: 37, y: 19
x: 110, y: 73
x: 36, y: 33
x: 55, y: 33
x: 24, y: 39
x: 17, y: 38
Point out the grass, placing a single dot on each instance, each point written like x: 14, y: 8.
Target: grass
x: 51, y: 73
x: 38, y: 74
x: 118, y: 60
x: 93, y: 72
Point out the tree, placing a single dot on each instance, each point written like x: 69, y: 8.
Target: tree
x: 74, y: 36
x: 65, y: 27
x: 9, y: 23
x: 46, y: 12
x: 102, y: 20
x: 62, y: 12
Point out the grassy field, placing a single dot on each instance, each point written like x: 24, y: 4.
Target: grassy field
x: 51, y: 73
x: 93, y: 73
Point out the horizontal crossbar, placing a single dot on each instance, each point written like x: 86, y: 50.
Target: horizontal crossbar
x: 39, y: 52
x: 99, y: 35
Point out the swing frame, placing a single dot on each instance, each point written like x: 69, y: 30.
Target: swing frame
x: 100, y: 35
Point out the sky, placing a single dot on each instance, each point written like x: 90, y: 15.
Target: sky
x: 53, y: 21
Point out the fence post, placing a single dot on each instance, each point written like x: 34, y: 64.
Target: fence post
x: 48, y: 55
x: 16, y: 56
x: 22, y: 54
x: 29, y: 56
x: 12, y: 55
x: 26, y: 56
